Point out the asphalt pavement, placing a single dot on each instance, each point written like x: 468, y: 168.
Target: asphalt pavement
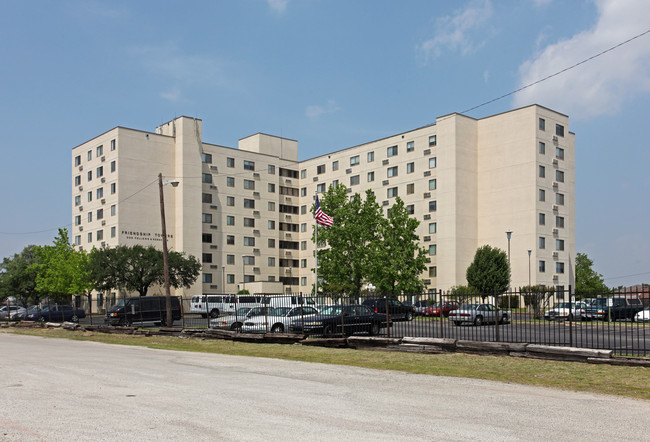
x: 56, y: 389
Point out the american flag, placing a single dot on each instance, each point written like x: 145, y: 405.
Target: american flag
x: 321, y: 217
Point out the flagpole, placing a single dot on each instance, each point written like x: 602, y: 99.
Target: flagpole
x: 316, y: 268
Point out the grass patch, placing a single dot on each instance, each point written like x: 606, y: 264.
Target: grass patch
x: 631, y: 382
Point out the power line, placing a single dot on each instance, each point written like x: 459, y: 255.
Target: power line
x: 627, y: 276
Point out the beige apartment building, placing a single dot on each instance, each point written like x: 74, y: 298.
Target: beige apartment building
x: 245, y: 212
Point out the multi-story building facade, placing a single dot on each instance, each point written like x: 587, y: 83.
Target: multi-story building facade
x: 246, y: 211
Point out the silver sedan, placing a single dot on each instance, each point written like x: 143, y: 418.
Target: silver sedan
x: 478, y: 314
x: 235, y: 322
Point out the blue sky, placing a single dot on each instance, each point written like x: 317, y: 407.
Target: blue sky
x: 330, y: 74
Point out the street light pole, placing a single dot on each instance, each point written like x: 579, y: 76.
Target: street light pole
x: 509, y: 235
x: 223, y: 280
x: 168, y: 297
x: 529, y: 252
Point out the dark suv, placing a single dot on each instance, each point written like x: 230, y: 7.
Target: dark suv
x: 141, y: 309
x: 396, y: 309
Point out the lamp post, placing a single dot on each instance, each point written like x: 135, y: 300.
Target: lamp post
x: 223, y: 280
x: 529, y: 252
x: 168, y: 296
x: 509, y: 235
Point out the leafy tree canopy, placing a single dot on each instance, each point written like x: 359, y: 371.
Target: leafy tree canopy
x: 588, y: 281
x: 490, y: 271
x: 18, y: 277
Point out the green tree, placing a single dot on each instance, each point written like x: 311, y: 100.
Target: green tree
x: 398, y: 260
x: 345, y: 265
x: 18, y: 277
x: 489, y: 273
x: 537, y: 298
x: 61, y: 270
x: 588, y: 281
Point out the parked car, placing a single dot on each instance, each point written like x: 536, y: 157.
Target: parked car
x: 396, y: 309
x: 277, y: 321
x: 642, y: 316
x: 236, y: 321
x: 445, y: 307
x: 567, y: 310
x: 478, y: 314
x: 143, y: 309
x: 12, y: 312
x: 420, y: 306
x: 337, y: 319
x: 56, y: 313
x: 614, y: 309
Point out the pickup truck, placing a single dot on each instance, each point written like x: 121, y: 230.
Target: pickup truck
x: 613, y: 309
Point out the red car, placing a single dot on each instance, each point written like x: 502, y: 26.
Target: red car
x: 434, y: 310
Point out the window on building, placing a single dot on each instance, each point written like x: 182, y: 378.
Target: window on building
x: 207, y: 278
x: 77, y: 180
x: 542, y: 148
x: 371, y: 157
x: 410, y: 167
x: 432, y: 206
x: 432, y: 140
x: 230, y: 201
x: 271, y: 169
x: 391, y: 192
x: 559, y: 244
x: 77, y: 240
x: 230, y: 181
x: 230, y: 220
x: 90, y: 196
x: 100, y: 235
x: 112, y: 144
x: 432, y: 184
x: 90, y: 175
x: 320, y: 169
x: 90, y: 216
x: 271, y: 261
x: 433, y: 272
x: 335, y: 183
x: 206, y: 237
x: 90, y: 155
x: 271, y: 224
x: 249, y: 203
x: 303, y: 173
x: 371, y: 176
x: 249, y: 165
x: 248, y: 260
x: 432, y: 163
x: 206, y: 158
x: 230, y: 259
x: 433, y: 249
x: 354, y: 180
x: 113, y: 210
x: 559, y: 221
x: 303, y: 245
x: 303, y: 280
x: 230, y: 162
x: 100, y: 213
x: 559, y: 153
x: 77, y: 160
x: 559, y: 267
x: 100, y: 151
x: 303, y: 227
x: 410, y: 189
x: 542, y: 195
x: 90, y: 236
x: 542, y: 219
x: 320, y: 188
x: 335, y: 165
x: 410, y: 209
x: 542, y: 124
x: 77, y: 220
x: 249, y: 184
x: 271, y: 243
x: 206, y: 257
x: 542, y: 171
x: 206, y: 198
x: 77, y: 200
x: 559, y: 199
x: 410, y: 146
x: 559, y: 130
x: 113, y: 188
x: 230, y: 240
x: 559, y: 176
x: 542, y: 266
x: 303, y: 210
x: 230, y: 278
x: 249, y: 222
x: 206, y: 178
x: 113, y: 232
x: 271, y: 188
x: 271, y: 206
x: 391, y: 151
x: 113, y: 166
x: 433, y: 227
x: 542, y: 242
x: 249, y: 241
x: 391, y: 171
x: 100, y: 192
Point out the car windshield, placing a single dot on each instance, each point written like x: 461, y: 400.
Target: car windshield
x: 331, y: 310
x: 468, y: 306
x: 243, y: 311
x: 120, y: 303
x: 280, y: 311
x: 32, y: 309
x: 256, y: 311
x: 436, y: 305
x: 563, y: 305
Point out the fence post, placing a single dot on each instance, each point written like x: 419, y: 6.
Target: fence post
x: 570, y: 321
x: 442, y: 330
x: 387, y: 317
x: 496, y: 316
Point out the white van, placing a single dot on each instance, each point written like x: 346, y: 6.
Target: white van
x: 289, y: 301
x: 215, y: 305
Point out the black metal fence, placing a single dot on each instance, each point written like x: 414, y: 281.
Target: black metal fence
x: 560, y: 318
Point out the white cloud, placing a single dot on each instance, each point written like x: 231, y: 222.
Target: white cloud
x: 278, y: 6
x: 456, y: 32
x: 173, y: 94
x: 603, y: 85
x: 316, y: 111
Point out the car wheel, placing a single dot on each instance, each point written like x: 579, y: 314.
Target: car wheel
x: 74, y: 318
x: 457, y: 323
x: 277, y: 328
x: 504, y: 319
x: 125, y: 322
x: 42, y: 319
x: 214, y: 313
x: 374, y: 329
x: 409, y: 316
x: 327, y: 331
x: 163, y: 322
x: 236, y: 327
x: 478, y: 320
